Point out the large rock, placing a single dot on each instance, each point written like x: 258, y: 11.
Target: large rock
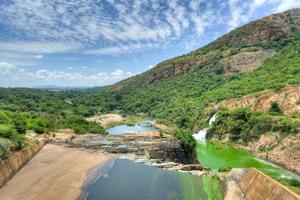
x: 172, y: 151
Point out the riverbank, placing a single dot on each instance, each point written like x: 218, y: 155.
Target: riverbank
x: 56, y: 172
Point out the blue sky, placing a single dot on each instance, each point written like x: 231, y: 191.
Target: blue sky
x: 99, y: 42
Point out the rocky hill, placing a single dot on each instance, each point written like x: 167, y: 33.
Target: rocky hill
x: 241, y: 50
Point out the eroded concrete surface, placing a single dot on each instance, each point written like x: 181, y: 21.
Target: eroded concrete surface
x: 56, y: 172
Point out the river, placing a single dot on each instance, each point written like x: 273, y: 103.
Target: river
x: 126, y: 179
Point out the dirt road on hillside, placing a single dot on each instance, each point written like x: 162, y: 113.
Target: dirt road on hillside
x: 55, y: 173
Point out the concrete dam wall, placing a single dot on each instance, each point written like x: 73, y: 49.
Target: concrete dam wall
x: 9, y: 167
x: 252, y: 184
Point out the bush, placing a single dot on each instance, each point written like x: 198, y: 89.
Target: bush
x: 3, y: 118
x: 38, y: 125
x: 20, y: 125
x: 5, y: 147
x: 247, y: 125
x: 285, y: 124
x: 95, y: 128
x: 275, y: 109
x: 81, y: 126
x: 8, y: 132
x: 187, y: 141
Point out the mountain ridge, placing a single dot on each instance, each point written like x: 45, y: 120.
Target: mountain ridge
x: 259, y: 33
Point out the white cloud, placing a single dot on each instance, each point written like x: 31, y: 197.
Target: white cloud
x: 287, y: 4
x: 242, y: 12
x: 100, y: 78
x: 12, y: 73
x: 38, y: 47
x: 117, y: 73
x: 119, y: 49
x: 54, y: 26
x: 39, y: 56
x: 111, y: 26
x: 7, y: 66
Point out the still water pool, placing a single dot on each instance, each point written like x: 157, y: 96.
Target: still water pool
x: 142, y: 127
x: 125, y: 179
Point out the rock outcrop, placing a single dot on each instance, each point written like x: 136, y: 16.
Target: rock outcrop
x: 172, y: 151
x: 288, y: 99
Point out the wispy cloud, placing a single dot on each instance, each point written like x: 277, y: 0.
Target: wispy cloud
x: 242, y: 11
x: 38, y: 47
x: 9, y: 71
x: 39, y: 56
x: 90, y: 24
x: 115, y: 26
x: 117, y: 49
x: 287, y: 4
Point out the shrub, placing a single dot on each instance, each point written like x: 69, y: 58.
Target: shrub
x: 5, y: 146
x: 285, y: 124
x: 95, y: 128
x: 219, y: 69
x: 8, y: 132
x: 187, y: 141
x: 3, y: 118
x: 38, y: 125
x: 275, y: 109
x: 260, y: 122
x: 20, y: 125
x: 294, y: 182
x: 81, y: 126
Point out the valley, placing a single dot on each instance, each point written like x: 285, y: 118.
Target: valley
x: 203, y: 125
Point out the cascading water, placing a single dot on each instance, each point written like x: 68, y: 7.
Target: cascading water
x: 201, y: 135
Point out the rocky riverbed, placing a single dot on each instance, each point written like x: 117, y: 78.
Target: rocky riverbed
x: 160, y: 149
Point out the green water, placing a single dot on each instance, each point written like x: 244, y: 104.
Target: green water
x: 217, y: 155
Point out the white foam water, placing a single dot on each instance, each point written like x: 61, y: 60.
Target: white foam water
x: 201, y: 135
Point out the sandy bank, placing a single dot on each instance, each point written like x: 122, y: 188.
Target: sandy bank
x: 56, y: 172
x: 106, y: 119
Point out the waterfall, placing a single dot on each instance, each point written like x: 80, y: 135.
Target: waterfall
x: 201, y: 135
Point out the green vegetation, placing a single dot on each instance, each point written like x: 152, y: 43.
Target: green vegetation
x: 29, y: 110
x: 182, y: 99
x: 246, y: 125
x: 187, y: 141
x: 275, y: 109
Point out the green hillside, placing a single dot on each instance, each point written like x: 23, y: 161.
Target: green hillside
x: 261, y: 55
x: 182, y: 99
